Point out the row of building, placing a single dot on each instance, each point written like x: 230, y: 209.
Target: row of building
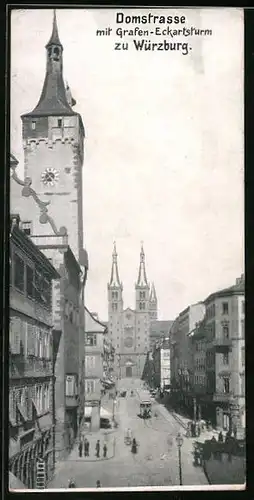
x: 202, y: 362
x: 61, y: 357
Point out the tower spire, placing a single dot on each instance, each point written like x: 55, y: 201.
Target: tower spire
x: 54, y: 39
x: 114, y: 279
x: 153, y: 296
x: 142, y: 279
x: 53, y: 100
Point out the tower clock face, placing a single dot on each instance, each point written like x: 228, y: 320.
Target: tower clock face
x: 50, y: 176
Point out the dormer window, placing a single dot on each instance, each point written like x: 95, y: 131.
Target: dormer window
x: 27, y: 227
x: 33, y: 125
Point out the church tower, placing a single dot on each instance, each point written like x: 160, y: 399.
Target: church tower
x: 142, y: 309
x: 115, y: 306
x: 53, y: 136
x: 153, y: 305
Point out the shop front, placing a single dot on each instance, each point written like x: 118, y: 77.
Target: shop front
x: 23, y: 464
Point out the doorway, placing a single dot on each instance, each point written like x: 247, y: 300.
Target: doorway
x: 128, y: 371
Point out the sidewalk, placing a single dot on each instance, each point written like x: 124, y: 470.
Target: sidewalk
x: 192, y: 475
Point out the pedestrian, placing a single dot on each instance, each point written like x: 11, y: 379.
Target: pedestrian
x: 97, y: 449
x: 235, y: 432
x: 80, y: 448
x: 98, y: 484
x: 71, y: 484
x: 134, y: 446
x: 85, y: 447
x: 220, y: 437
x: 105, y: 450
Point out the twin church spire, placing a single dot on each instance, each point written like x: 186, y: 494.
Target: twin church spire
x: 142, y: 281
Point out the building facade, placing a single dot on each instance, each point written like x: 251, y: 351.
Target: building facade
x: 182, y: 371
x: 31, y: 373
x: 225, y: 356
x: 53, y: 142
x: 99, y: 360
x: 129, y: 328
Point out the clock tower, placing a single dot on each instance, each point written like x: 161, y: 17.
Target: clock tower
x: 53, y: 136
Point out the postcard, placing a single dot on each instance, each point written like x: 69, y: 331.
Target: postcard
x: 127, y: 280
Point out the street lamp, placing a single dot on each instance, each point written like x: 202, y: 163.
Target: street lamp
x: 179, y: 441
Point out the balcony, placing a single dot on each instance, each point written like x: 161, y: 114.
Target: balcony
x: 50, y: 240
x: 71, y: 401
x: 221, y: 344
x: 23, y: 366
x: 222, y: 397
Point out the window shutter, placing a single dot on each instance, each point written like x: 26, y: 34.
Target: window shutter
x: 16, y: 327
x: 11, y: 335
x: 30, y: 340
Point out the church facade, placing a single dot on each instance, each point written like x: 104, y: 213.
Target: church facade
x: 129, y: 329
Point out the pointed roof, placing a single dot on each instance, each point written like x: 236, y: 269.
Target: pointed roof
x: 54, y: 39
x: 53, y: 99
x: 142, y: 279
x: 114, y: 279
x: 153, y: 296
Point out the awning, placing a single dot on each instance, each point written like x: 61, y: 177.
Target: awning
x: 45, y: 422
x: 105, y: 413
x: 15, y: 483
x: 22, y: 412
x: 107, y: 383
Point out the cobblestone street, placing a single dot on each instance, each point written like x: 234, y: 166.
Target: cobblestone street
x: 156, y: 463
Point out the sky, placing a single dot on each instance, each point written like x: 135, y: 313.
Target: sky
x: 163, y: 149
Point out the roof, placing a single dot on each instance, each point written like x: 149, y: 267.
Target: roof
x: 160, y: 328
x: 237, y: 288
x: 53, y: 100
x: 54, y: 39
x: 93, y: 325
x: 142, y: 279
x: 114, y: 278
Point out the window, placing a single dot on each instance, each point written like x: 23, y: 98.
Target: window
x: 242, y: 328
x: 243, y: 356
x: 19, y: 273
x: 33, y: 125
x: 225, y: 358
x: 114, y: 307
x: 29, y: 282
x: 70, y: 385
x: 142, y: 295
x: 226, y: 385
x: 59, y: 122
x: 12, y: 406
x: 115, y: 295
x: 90, y: 361
x: 225, y: 331
x: 89, y: 386
x: 91, y: 339
x: 38, y: 286
x: 243, y: 307
x: 242, y: 384
x: 224, y: 307
x: 27, y: 227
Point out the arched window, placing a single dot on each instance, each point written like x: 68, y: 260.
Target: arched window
x: 56, y: 53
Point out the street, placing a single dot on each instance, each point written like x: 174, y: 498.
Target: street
x: 156, y: 463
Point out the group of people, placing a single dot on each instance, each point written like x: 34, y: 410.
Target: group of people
x: 84, y: 446
x: 72, y: 484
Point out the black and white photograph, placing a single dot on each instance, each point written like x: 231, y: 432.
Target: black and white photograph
x: 127, y: 277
